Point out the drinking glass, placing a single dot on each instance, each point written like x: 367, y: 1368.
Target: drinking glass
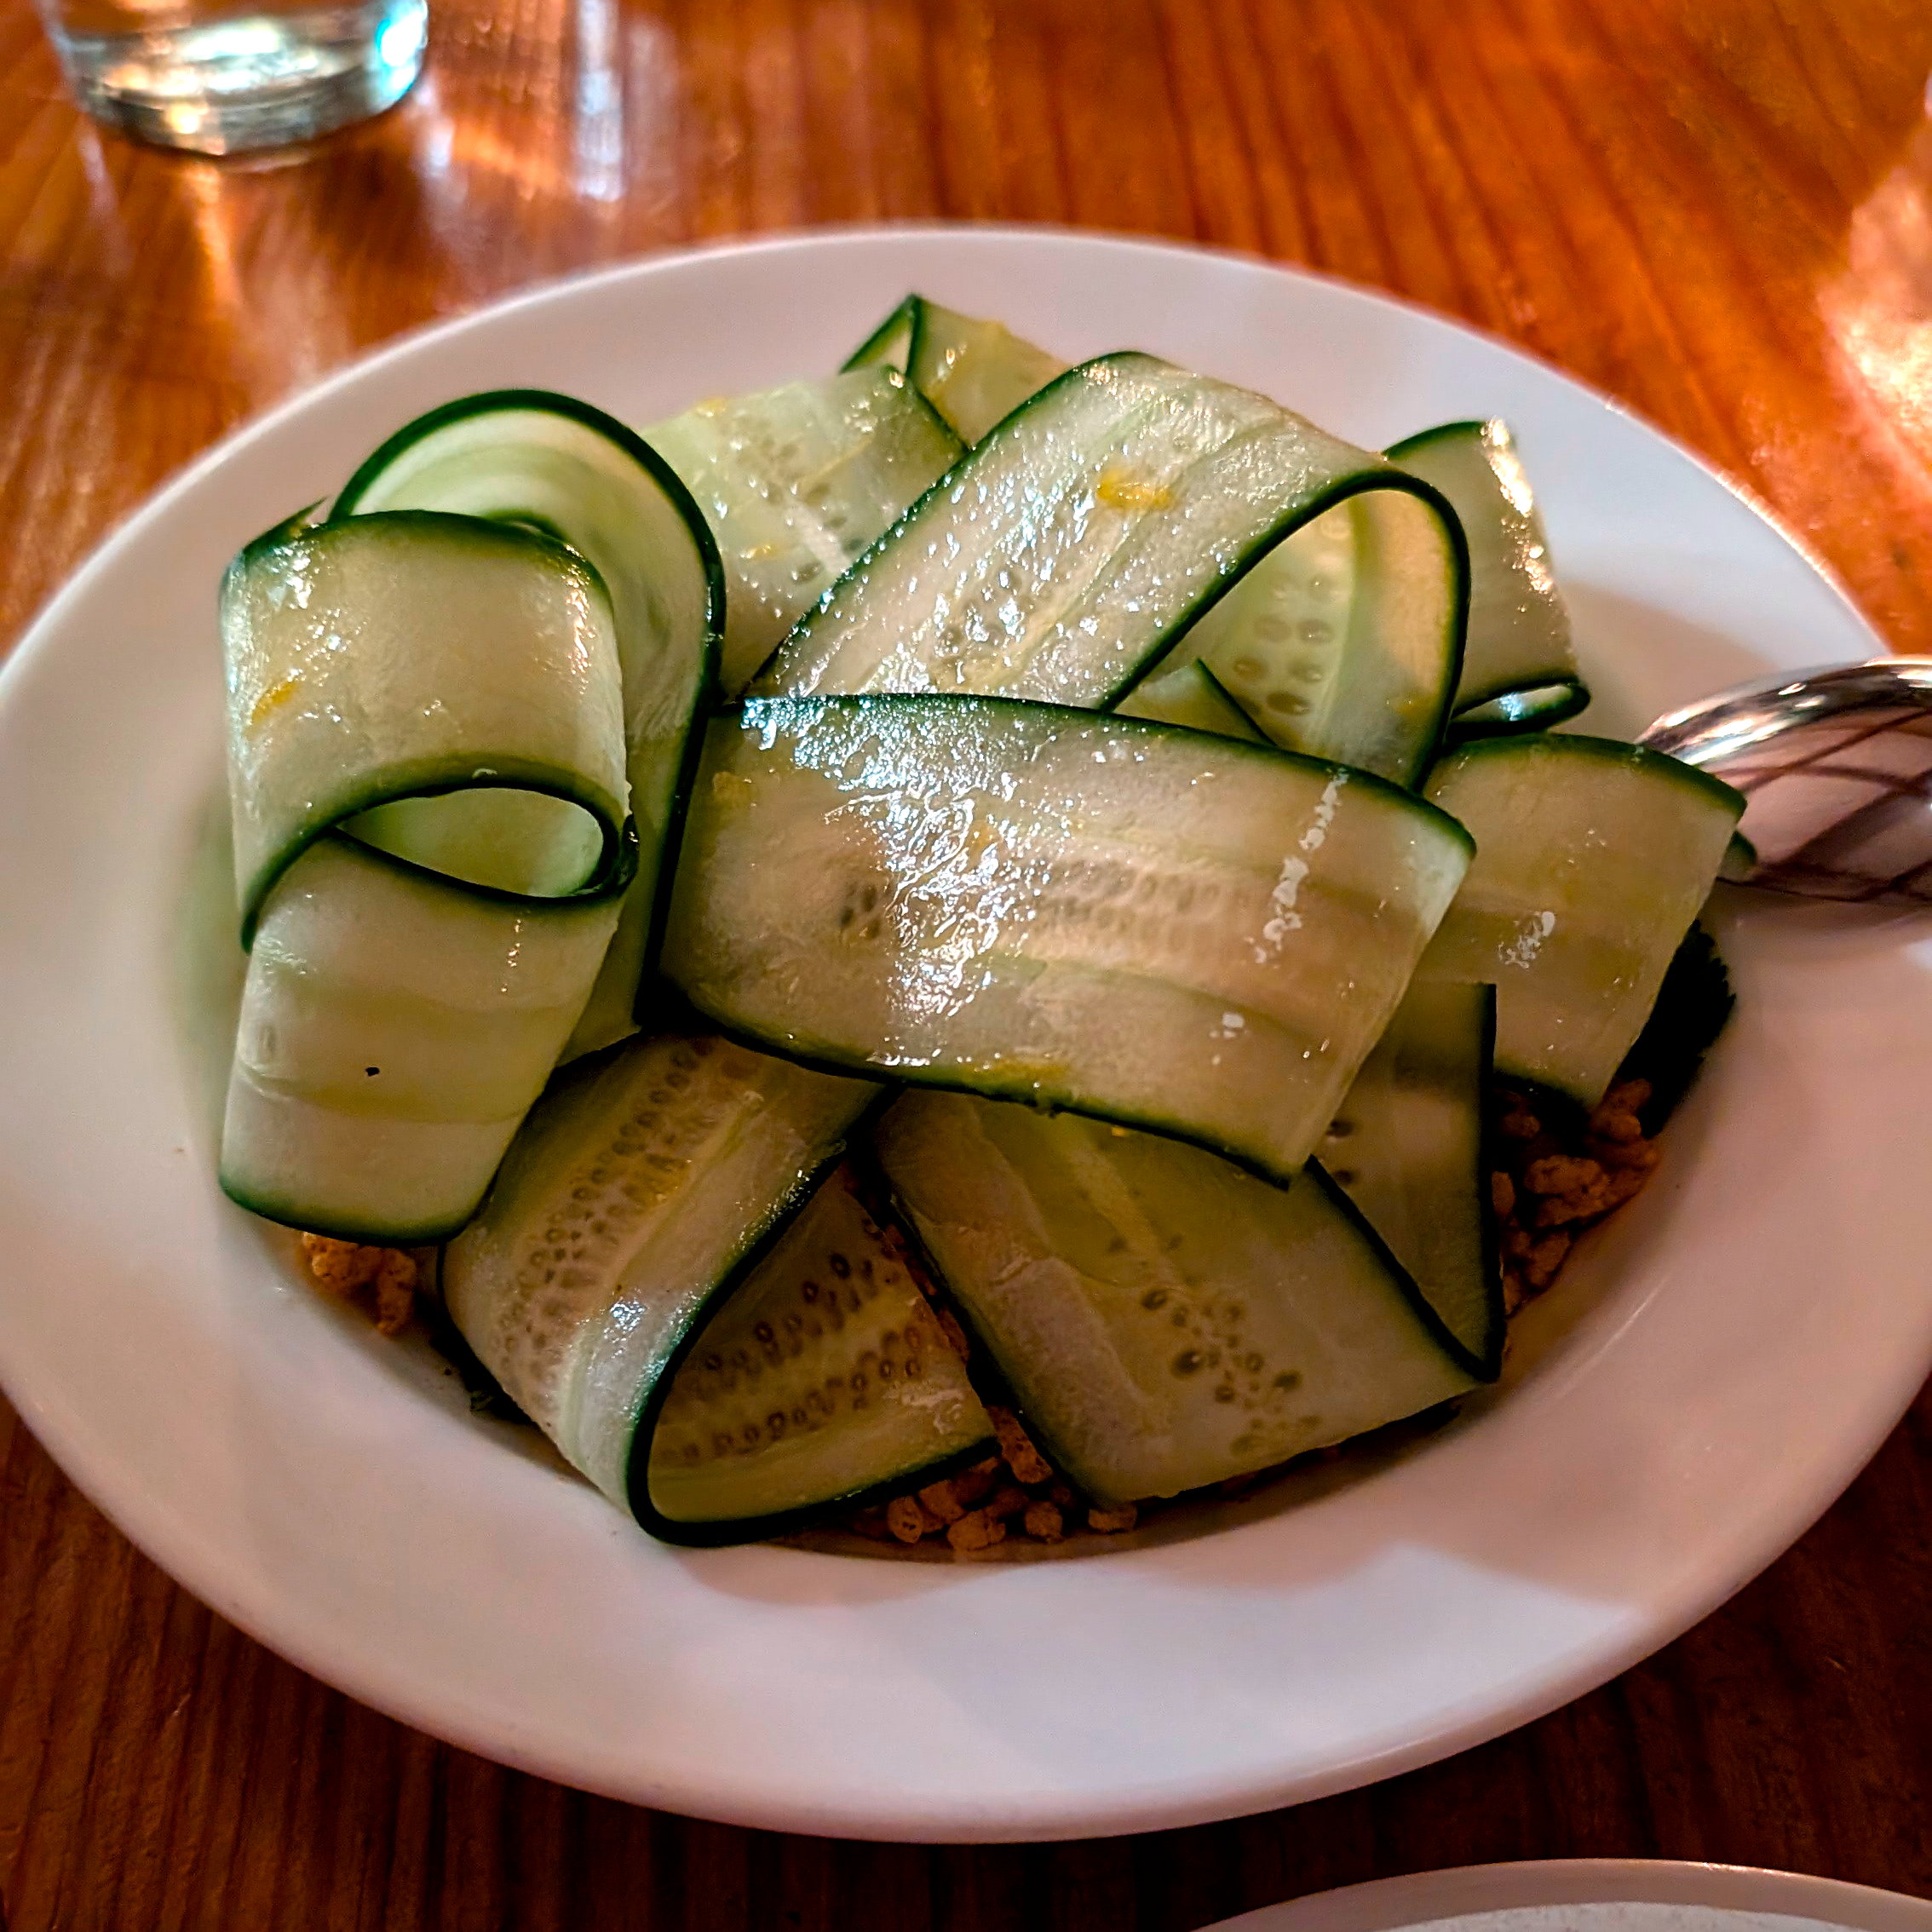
x: 220, y: 76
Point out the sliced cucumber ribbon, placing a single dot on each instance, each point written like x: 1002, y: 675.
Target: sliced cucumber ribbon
x: 419, y: 672
x: 1165, y: 1320
x: 671, y: 1278
x: 974, y: 373
x: 531, y: 458
x: 1592, y: 858
x: 823, y: 1376
x: 394, y: 1028
x: 1129, y: 919
x: 1409, y: 1147
x: 1518, y: 671
x: 796, y: 483
x: 1075, y: 545
x: 427, y: 777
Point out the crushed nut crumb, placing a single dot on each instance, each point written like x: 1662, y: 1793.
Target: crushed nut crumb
x: 942, y: 1499
x: 906, y: 1519
x: 1043, y: 1520
x: 975, y: 1530
x: 1554, y: 1184
x: 346, y: 1268
x: 1009, y: 1500
x: 395, y: 1291
x: 1027, y: 1463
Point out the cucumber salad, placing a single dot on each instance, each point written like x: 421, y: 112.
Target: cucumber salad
x: 964, y: 907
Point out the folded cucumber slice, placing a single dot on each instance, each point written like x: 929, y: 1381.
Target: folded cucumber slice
x: 1130, y: 919
x: 427, y: 774
x: 796, y: 483
x: 1071, y: 548
x: 823, y: 1376
x: 530, y: 457
x: 1164, y: 1319
x: 434, y: 660
x: 1334, y: 644
x: 393, y: 1031
x: 1409, y: 1146
x: 1592, y: 858
x: 636, y: 1195
x: 1190, y: 695
x: 1519, y: 672
x: 973, y: 372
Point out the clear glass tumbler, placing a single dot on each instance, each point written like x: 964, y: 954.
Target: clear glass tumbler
x: 221, y: 77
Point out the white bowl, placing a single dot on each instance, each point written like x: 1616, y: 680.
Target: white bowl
x: 1722, y: 1359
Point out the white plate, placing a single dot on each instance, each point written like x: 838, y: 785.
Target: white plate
x: 1595, y: 1895
x: 1725, y: 1356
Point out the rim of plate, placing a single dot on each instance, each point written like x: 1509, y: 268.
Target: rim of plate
x: 1389, y: 1904
x: 318, y: 1641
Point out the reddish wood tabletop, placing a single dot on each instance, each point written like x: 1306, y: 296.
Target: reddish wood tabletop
x: 1719, y: 210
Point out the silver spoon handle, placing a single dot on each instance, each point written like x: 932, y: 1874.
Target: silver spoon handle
x: 1836, y: 766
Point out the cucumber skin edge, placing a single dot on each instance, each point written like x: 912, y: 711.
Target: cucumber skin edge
x: 425, y: 1235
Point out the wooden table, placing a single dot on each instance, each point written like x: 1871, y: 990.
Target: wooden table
x: 1720, y: 211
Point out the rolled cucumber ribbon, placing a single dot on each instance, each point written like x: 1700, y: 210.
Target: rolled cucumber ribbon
x: 534, y: 459
x: 432, y: 833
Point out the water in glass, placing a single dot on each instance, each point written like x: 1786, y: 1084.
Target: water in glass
x: 220, y: 76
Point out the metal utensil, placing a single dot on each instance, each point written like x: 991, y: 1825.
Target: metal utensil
x: 1836, y: 766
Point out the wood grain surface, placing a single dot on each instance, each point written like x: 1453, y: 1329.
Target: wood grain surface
x: 1720, y: 211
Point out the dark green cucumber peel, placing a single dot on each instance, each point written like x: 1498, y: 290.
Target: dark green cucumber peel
x: 617, y: 859
x: 727, y: 1533
x: 615, y: 866
x: 1437, y: 433
x: 979, y: 1088
x: 1740, y: 858
x: 1163, y: 646
x: 1482, y: 1369
x: 550, y: 402
x: 1201, y: 703
x: 925, y: 403
x: 637, y: 1477
x: 1077, y: 715
x: 1220, y: 689
x: 488, y: 1398
x: 1429, y: 747
x: 1536, y: 710
x: 989, y: 1377
x: 866, y: 558
x: 894, y: 342
x: 287, y: 1214
x: 711, y: 1533
x: 1613, y: 750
